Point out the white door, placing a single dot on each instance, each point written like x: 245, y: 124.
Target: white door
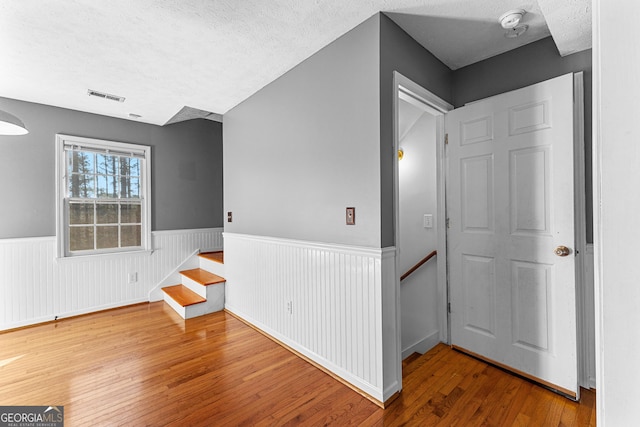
x: 510, y: 204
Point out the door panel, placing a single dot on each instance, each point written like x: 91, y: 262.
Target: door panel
x: 531, y: 302
x: 529, y: 177
x: 510, y: 202
x: 479, y: 283
x: 477, y: 194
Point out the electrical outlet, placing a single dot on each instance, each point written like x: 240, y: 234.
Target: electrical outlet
x: 229, y: 217
x: 290, y: 307
x: 133, y: 278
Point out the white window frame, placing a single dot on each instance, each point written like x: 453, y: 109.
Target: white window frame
x: 91, y: 144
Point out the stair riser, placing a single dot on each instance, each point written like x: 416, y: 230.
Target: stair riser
x: 212, y: 266
x: 176, y: 307
x: 194, y: 286
x: 203, y: 291
x: 214, y: 302
x: 215, y: 292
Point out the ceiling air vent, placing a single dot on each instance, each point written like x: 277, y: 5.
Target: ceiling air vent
x: 105, y: 95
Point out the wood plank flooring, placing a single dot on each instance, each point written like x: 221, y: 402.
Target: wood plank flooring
x: 144, y: 365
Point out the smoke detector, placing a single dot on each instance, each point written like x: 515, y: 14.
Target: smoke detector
x: 511, y: 19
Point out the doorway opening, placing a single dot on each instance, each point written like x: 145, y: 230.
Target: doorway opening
x: 420, y: 219
x: 512, y: 295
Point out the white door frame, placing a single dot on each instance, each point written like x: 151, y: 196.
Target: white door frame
x: 436, y: 106
x: 585, y: 321
x: 439, y: 107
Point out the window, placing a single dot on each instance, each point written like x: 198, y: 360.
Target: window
x: 103, y: 196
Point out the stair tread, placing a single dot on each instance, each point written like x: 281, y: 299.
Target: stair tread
x: 217, y: 256
x: 203, y: 277
x: 183, y: 295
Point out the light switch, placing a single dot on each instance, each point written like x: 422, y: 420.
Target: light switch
x: 428, y: 221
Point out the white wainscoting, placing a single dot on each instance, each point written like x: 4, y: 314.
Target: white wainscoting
x: 36, y: 287
x: 335, y: 304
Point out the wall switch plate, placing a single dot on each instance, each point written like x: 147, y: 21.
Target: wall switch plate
x: 351, y: 216
x: 229, y: 217
x: 133, y: 278
x: 428, y: 221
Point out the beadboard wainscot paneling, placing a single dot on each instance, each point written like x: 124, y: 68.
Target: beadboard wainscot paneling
x: 335, y: 304
x: 36, y: 287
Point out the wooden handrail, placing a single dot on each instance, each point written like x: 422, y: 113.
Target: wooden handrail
x: 418, y: 265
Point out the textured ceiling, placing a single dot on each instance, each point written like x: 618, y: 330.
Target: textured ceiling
x: 569, y: 22
x: 209, y: 55
x: 460, y: 33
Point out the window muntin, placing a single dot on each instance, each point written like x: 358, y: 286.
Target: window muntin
x: 104, y: 208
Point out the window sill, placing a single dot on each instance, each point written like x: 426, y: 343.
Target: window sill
x: 98, y: 257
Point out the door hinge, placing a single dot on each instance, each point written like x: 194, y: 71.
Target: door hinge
x: 448, y: 307
x: 447, y: 223
x: 446, y: 139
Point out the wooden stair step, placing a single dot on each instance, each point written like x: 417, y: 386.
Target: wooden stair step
x: 183, y: 295
x: 217, y: 256
x: 203, y: 276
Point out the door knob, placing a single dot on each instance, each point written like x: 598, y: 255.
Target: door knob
x: 562, y: 251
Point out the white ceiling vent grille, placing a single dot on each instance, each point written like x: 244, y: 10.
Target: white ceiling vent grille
x: 105, y: 95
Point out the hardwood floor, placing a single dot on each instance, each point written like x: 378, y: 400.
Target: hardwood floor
x: 144, y: 365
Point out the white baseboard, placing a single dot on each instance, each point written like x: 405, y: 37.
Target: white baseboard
x: 423, y: 345
x: 73, y: 313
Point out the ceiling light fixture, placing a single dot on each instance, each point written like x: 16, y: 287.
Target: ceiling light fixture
x: 511, y: 19
x: 11, y: 125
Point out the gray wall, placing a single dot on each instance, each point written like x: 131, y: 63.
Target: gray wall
x: 399, y: 52
x: 522, y: 67
x: 306, y: 146
x: 186, y: 168
x: 320, y: 138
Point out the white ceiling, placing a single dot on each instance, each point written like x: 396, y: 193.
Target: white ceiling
x: 210, y: 55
